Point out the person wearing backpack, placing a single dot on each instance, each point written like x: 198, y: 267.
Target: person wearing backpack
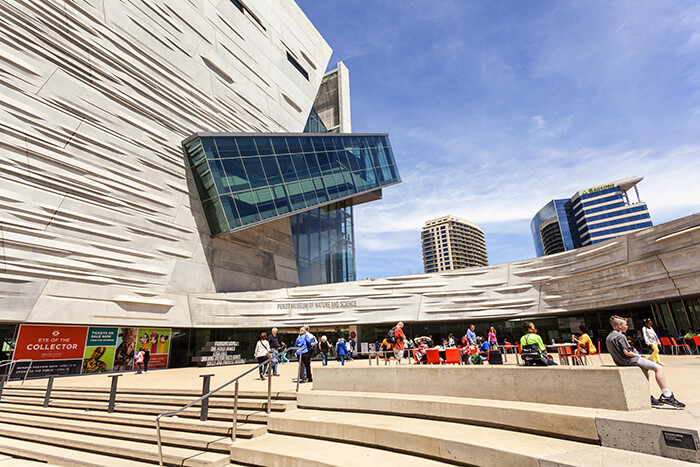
x: 396, y: 335
x: 533, y: 351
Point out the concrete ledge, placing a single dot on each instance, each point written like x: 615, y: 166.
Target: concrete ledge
x: 573, y: 423
x: 613, y: 388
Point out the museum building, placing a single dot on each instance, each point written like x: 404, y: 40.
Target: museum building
x: 176, y: 175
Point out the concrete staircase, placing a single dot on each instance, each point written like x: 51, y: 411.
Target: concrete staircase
x: 76, y: 429
x: 360, y: 429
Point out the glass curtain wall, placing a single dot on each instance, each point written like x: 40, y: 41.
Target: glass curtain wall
x: 324, y: 244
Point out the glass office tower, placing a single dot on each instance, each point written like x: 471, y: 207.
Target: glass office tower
x: 590, y: 216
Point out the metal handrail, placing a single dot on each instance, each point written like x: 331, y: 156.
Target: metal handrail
x: 13, y: 363
x: 235, y: 399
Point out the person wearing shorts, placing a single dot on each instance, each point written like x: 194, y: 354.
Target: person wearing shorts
x: 622, y: 355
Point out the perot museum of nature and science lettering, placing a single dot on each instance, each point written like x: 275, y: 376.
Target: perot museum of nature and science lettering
x: 181, y: 175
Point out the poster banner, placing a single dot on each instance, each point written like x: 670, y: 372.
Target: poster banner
x: 126, y: 344
x: 66, y: 350
x: 156, y: 341
x: 39, y: 342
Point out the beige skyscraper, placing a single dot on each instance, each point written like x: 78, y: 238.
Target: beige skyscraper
x: 451, y: 242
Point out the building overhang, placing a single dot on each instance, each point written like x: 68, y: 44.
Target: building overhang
x: 248, y: 179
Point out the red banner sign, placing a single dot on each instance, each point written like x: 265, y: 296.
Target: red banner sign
x: 50, y: 342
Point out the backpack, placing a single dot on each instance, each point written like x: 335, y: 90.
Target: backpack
x: 390, y: 336
x: 313, y: 350
x: 531, y: 354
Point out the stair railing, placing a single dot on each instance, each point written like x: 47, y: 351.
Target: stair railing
x: 12, y: 363
x: 235, y: 399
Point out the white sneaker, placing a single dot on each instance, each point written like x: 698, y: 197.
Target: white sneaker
x: 662, y: 364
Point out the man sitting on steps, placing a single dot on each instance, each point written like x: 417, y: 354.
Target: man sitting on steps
x: 622, y: 355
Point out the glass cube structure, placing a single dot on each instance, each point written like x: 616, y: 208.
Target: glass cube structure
x: 248, y: 179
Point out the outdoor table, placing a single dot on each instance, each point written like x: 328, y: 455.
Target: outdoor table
x: 506, y: 348
x: 563, y: 359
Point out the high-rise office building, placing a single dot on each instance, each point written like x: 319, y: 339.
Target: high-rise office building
x: 451, y: 242
x: 589, y: 216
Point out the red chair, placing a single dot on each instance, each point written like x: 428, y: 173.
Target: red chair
x: 433, y: 356
x: 696, y: 339
x: 567, y: 353
x: 579, y: 357
x: 452, y: 356
x: 676, y: 346
x: 665, y: 342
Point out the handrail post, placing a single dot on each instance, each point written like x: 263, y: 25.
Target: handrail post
x: 204, y: 408
x: 269, y: 386
x: 27, y: 372
x: 160, y: 447
x: 299, y: 374
x: 2, y: 384
x: 113, y: 392
x: 49, y: 387
x: 235, y: 412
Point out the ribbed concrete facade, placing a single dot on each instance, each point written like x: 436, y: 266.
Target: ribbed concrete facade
x: 450, y: 243
x: 650, y: 265
x: 99, y: 218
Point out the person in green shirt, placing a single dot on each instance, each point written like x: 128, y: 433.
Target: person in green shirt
x: 533, y: 350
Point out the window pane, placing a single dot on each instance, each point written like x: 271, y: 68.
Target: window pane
x: 264, y: 146
x: 289, y: 174
x: 272, y: 171
x: 255, y: 172
x: 247, y: 148
x: 263, y: 200
x: 245, y: 204
x: 236, y: 177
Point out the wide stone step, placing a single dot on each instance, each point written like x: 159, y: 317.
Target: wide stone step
x: 224, y: 402
x: 289, y: 451
x: 194, y: 425
x: 7, y: 461
x: 573, y: 423
x: 456, y: 443
x: 134, y: 449
x: 255, y: 414
x: 56, y: 455
x: 227, y: 392
x: 114, y: 431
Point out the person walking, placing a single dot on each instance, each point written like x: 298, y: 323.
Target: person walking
x: 304, y: 343
x: 262, y: 353
x: 622, y: 355
x: 398, y: 346
x: 146, y: 359
x: 275, y: 348
x: 325, y: 349
x: 652, y: 340
x: 139, y: 361
x: 341, y: 350
x: 471, y: 335
x: 493, y: 341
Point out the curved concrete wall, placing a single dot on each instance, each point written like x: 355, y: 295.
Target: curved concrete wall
x: 653, y: 264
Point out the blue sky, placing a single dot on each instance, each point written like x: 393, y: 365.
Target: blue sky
x: 494, y: 108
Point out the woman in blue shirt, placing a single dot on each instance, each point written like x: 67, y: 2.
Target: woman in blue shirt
x: 304, y: 342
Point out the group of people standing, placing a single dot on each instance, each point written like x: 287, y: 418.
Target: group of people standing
x: 307, y: 347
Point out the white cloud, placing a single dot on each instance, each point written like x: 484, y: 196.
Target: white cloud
x: 515, y: 189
